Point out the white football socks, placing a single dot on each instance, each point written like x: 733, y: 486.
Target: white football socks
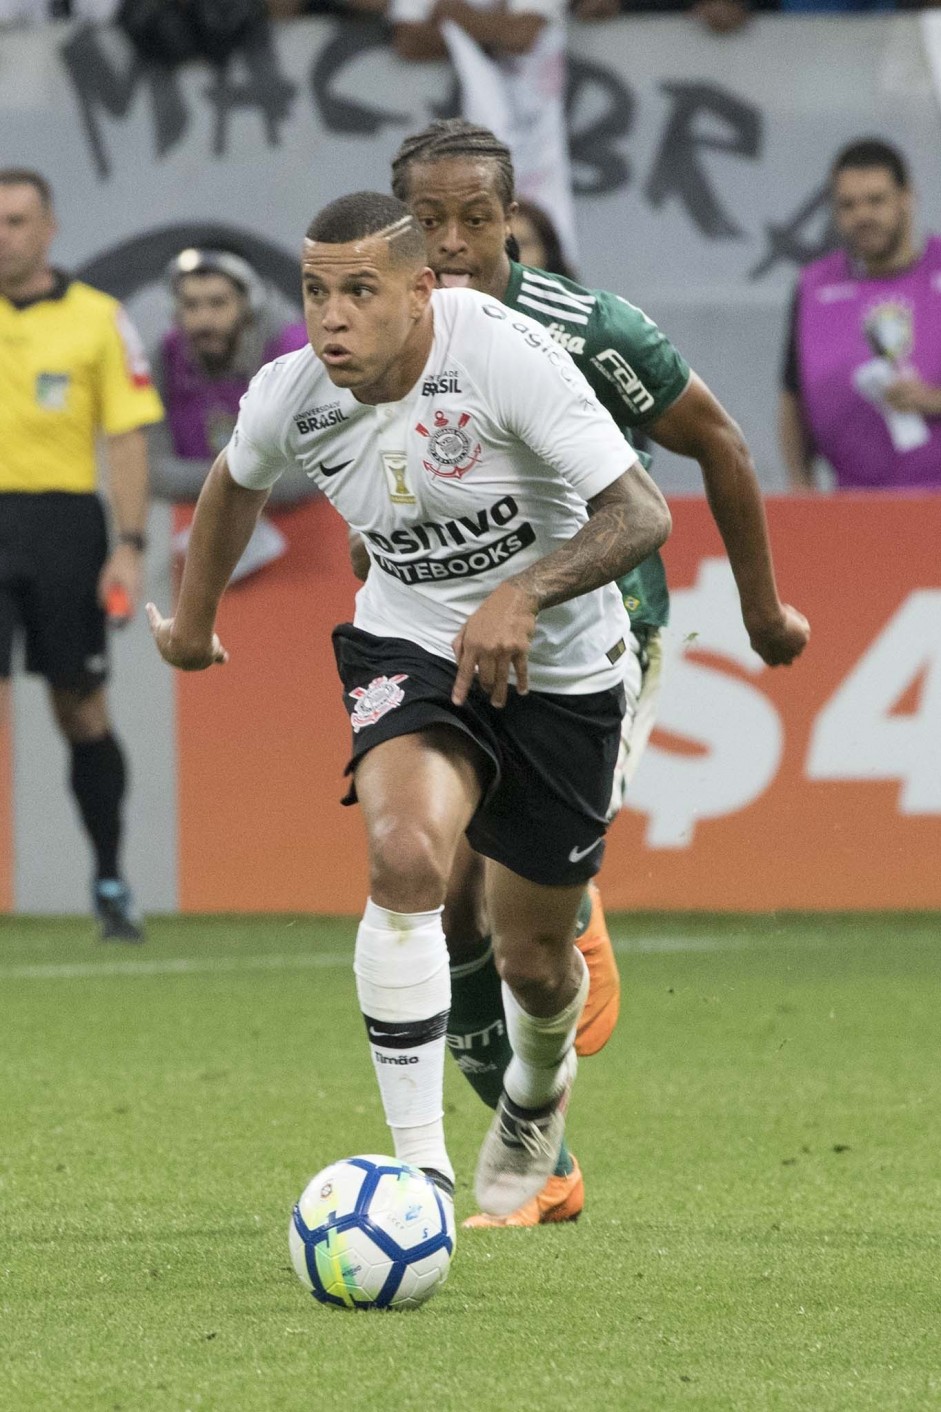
x: 543, y: 1053
x: 404, y: 989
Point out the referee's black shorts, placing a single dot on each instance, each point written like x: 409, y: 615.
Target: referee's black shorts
x: 550, y: 757
x: 53, y: 546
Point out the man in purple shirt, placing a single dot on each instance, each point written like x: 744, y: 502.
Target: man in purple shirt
x: 862, y: 374
x: 203, y: 368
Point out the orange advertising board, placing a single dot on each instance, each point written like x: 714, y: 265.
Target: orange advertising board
x: 816, y: 786
x: 813, y: 786
x: 263, y: 741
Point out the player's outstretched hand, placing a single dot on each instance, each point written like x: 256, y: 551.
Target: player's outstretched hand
x: 781, y: 642
x: 495, y: 638
x: 186, y: 656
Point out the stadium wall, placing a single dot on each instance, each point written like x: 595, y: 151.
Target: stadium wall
x: 700, y: 167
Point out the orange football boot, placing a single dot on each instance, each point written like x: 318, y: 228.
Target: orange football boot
x: 600, y: 1014
x: 561, y: 1199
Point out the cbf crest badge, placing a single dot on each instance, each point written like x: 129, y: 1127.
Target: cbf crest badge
x: 889, y: 330
x: 382, y: 694
x: 395, y: 465
x: 450, y: 451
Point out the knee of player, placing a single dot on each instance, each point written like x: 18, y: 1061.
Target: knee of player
x: 408, y: 870
x: 81, y: 715
x: 532, y: 971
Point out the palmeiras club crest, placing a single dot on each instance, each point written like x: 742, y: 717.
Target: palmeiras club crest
x: 451, y: 453
x: 373, y: 701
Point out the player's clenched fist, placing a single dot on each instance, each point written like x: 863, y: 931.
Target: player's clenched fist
x: 782, y: 642
x: 187, y: 656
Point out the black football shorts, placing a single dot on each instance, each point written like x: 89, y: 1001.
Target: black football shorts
x: 549, y: 758
x: 53, y: 546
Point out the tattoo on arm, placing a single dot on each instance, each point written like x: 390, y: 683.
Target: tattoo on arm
x: 629, y: 521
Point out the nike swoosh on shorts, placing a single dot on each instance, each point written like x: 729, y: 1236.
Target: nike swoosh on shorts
x: 577, y: 854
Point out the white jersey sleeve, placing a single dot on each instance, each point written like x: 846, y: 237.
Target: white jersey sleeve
x: 542, y: 397
x: 257, y: 453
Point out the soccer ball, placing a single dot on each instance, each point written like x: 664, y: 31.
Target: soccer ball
x: 372, y: 1233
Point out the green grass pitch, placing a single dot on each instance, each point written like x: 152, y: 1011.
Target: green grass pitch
x: 760, y: 1142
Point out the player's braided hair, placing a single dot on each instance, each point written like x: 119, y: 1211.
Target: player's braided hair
x: 453, y: 137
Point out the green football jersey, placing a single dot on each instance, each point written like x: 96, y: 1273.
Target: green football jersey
x: 632, y: 367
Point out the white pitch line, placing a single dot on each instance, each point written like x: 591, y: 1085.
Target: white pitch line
x: 176, y: 965
x: 663, y: 945
x: 300, y: 961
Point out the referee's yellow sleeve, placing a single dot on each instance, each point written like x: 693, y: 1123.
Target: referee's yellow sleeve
x: 127, y: 396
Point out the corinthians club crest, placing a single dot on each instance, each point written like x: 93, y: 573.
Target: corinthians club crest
x: 373, y: 701
x: 450, y: 452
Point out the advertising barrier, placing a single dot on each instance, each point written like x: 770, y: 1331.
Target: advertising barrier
x: 814, y: 786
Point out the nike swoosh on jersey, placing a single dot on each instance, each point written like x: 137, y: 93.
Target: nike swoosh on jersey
x: 326, y: 470
x: 577, y: 854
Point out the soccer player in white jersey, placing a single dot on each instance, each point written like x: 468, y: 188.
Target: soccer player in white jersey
x: 498, y: 502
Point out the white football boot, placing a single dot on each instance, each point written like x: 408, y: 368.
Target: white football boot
x: 519, y: 1153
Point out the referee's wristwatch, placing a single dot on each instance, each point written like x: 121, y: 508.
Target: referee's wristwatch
x: 134, y: 539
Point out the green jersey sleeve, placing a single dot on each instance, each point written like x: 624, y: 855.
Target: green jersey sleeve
x: 632, y: 366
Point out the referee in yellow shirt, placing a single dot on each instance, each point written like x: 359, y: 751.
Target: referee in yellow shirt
x: 71, y: 367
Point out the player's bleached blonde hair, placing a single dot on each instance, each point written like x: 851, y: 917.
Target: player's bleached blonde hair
x: 366, y: 213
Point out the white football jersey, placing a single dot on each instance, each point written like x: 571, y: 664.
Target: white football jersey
x: 481, y: 469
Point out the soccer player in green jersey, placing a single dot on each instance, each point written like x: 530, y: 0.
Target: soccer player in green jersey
x: 457, y: 178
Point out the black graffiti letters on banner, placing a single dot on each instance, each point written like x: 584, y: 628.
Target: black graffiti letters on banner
x: 598, y: 165
x: 106, y: 75
x: 350, y: 41
x: 678, y: 170
x: 705, y: 126
x: 808, y: 234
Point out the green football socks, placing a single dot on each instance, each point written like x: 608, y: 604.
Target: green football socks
x: 477, y: 1035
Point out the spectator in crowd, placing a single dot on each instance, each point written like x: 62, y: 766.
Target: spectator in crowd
x: 171, y: 32
x: 71, y: 366
x: 510, y: 30
x: 35, y: 12
x: 293, y: 9
x: 203, y: 368
x: 537, y: 240
x: 862, y: 371
x: 844, y: 7
x: 719, y: 16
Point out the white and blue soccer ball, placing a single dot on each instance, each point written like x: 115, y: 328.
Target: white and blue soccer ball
x: 372, y: 1233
